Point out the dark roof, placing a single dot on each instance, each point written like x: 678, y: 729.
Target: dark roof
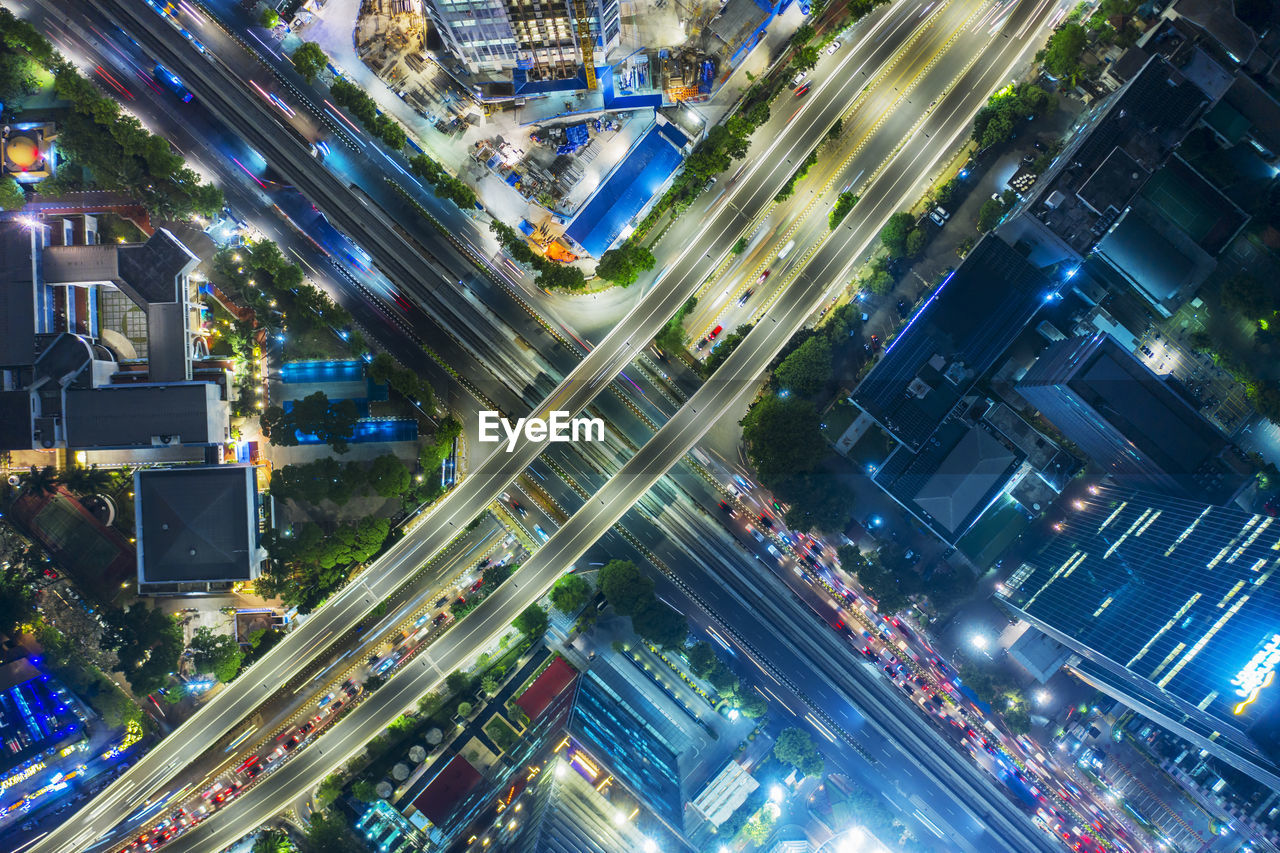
x: 454, y: 781
x: 549, y: 684
x: 17, y: 294
x: 15, y: 420
x: 196, y: 524
x: 185, y: 412
x: 956, y: 337
x: 150, y: 270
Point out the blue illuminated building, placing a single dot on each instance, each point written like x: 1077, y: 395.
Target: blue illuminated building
x: 1172, y: 607
x: 37, y: 717
x: 638, y: 748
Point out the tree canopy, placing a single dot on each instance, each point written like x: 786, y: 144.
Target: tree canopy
x: 806, y: 370
x: 570, y: 594
x: 624, y: 263
x: 894, y: 234
x: 659, y: 623
x: 332, y: 422
x: 624, y: 586
x: 147, y: 644
x: 309, y: 58
x: 1061, y: 56
x: 218, y: 654
x: 783, y: 437
x: 532, y: 621
x: 795, y: 747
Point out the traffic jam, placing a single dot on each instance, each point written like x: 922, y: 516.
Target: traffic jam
x: 897, y: 649
x: 405, y: 641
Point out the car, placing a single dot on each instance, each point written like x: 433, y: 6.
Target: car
x: 520, y: 510
x: 475, y: 587
x: 484, y: 564
x: 766, y: 522
x: 786, y: 250
x: 733, y: 513
x: 833, y: 47
x: 995, y: 196
x: 801, y: 91
x: 903, y: 308
x: 937, y: 220
x: 742, y: 300
x: 715, y: 333
x: 440, y: 619
x: 799, y: 78
x: 943, y: 212
x: 701, y: 345
x: 540, y: 533
x: 764, y: 275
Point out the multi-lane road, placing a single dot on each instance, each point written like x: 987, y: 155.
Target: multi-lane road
x: 769, y: 169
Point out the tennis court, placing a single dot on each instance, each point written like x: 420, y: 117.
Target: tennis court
x: 80, y: 546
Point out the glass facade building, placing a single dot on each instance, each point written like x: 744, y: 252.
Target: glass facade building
x: 1173, y: 607
x: 498, y: 35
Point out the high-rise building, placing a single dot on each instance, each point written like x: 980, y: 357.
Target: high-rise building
x: 568, y: 815
x: 1171, y: 606
x: 1129, y: 420
x: 498, y: 35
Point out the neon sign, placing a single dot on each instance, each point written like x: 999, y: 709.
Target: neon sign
x: 1257, y: 674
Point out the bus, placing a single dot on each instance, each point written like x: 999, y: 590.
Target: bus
x: 171, y: 82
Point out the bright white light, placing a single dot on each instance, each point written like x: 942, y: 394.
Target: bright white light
x: 777, y: 794
x: 650, y: 846
x: 619, y: 818
x: 979, y: 641
x: 1043, y: 696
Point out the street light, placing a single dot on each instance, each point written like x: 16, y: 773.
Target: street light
x: 1043, y: 696
x: 980, y: 642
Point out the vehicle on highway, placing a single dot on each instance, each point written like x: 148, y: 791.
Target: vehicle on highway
x: 171, y: 82
x: 247, y: 763
x: 799, y: 78
x: 724, y: 505
x: 540, y: 533
x: 786, y: 250
x: 715, y: 333
x: 763, y: 276
x: 801, y: 91
x: 833, y: 47
x: 742, y: 300
x: 520, y: 510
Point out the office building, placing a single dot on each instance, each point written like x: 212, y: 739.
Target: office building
x: 725, y: 793
x: 531, y: 35
x: 953, y: 339
x: 1172, y: 607
x: 568, y: 815
x: 1130, y: 421
x: 196, y: 528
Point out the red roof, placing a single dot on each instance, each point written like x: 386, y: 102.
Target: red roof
x: 546, y: 687
x: 455, y: 781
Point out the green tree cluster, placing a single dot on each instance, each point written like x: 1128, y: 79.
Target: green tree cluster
x: 1000, y: 116
x: 310, y: 59
x: 707, y: 665
x: 724, y: 348
x: 349, y: 95
x: 442, y: 183
x: 532, y: 622
x: 876, y: 278
x: 571, y: 593
x: 551, y: 274
x: 66, y: 663
x: 786, y: 446
x: 630, y: 592
x: 329, y: 832
x: 218, y: 654
x: 12, y: 196
x: 314, y: 562
x: 385, y: 371
x: 119, y: 154
x: 671, y: 338
x: 147, y: 644
x: 1061, y: 55
x: 1253, y: 298
x: 623, y: 264
x: 269, y: 18
x: 843, y: 205
x: 17, y: 599
x: 806, y: 369
x: 797, y: 176
x: 1001, y: 693
x: 894, y: 234
x: 272, y: 841
x: 795, y: 747
x: 332, y: 423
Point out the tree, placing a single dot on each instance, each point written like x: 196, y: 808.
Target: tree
x: 532, y: 621
x: 269, y: 18
x: 11, y: 195
x: 309, y: 58
x: 219, y: 654
x: 783, y: 437
x: 147, y: 644
x: 806, y: 370
x: 458, y: 682
x: 894, y: 233
x: 272, y: 841
x: 329, y: 833
x: 488, y: 685
x: 624, y: 586
x: 1061, y: 56
x: 878, y: 281
x: 843, y: 205
x: 1252, y: 298
x: 659, y: 623
x: 702, y: 658
x: 740, y: 246
x: 752, y: 705
x: 364, y: 791
x: 795, y: 747
x: 88, y: 481
x: 464, y: 709
x: 388, y: 476
x: 990, y: 214
x: 805, y: 58
x: 819, y: 501
x: 570, y: 594
x: 723, y: 680
x: 915, y: 243
x: 40, y: 481
x: 17, y: 600
x: 556, y: 276
x: 622, y: 265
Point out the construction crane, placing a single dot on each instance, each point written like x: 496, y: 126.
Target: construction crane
x: 586, y: 43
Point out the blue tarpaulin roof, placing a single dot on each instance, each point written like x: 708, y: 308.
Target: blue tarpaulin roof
x: 513, y: 179
x: 633, y: 183
x: 526, y: 227
x: 576, y: 134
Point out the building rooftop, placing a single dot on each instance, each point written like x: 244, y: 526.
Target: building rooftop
x: 197, y: 524
x: 957, y: 335
x: 176, y: 413
x: 18, y: 294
